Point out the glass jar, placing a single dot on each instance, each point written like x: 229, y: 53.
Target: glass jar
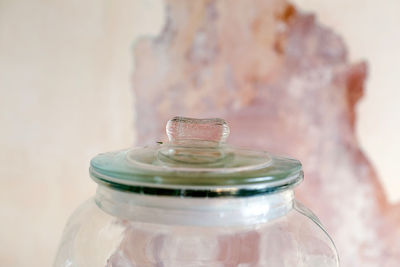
x: 195, y: 201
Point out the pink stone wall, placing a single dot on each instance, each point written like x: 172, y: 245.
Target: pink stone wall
x: 284, y: 83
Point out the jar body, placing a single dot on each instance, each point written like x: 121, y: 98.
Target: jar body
x: 124, y: 229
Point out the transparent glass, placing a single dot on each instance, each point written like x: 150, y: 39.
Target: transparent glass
x: 122, y: 229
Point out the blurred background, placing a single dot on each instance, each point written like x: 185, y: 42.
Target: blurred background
x: 65, y: 83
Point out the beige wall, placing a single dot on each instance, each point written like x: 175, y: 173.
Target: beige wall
x: 65, y: 96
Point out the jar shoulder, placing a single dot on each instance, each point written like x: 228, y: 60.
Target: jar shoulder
x: 89, y: 237
x: 300, y: 238
x: 92, y: 237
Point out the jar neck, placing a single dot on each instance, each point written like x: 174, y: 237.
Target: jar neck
x: 194, y: 211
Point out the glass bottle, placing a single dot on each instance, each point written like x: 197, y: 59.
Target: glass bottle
x: 195, y: 201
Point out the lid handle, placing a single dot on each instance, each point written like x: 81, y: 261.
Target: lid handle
x: 182, y: 128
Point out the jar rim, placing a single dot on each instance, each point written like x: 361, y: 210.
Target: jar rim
x: 189, y: 191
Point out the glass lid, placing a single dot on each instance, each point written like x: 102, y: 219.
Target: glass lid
x: 196, y: 162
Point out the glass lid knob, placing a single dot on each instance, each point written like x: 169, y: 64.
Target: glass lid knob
x: 184, y: 129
